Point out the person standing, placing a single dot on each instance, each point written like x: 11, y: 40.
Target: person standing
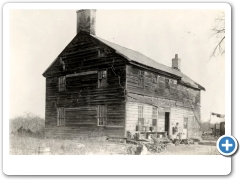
x: 175, y: 129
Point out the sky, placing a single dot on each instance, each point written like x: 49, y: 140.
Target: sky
x: 38, y: 36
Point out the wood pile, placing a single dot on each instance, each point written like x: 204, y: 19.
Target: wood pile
x: 153, y: 145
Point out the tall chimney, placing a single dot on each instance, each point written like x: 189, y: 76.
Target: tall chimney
x: 86, y: 19
x: 176, y: 63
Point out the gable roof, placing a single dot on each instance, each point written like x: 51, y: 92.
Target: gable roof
x: 134, y: 56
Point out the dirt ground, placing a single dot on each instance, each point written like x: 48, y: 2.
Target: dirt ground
x: 29, y: 146
x: 191, y: 150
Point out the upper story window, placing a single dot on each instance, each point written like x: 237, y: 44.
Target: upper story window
x: 194, y: 99
x: 102, y: 78
x: 167, y: 86
x: 62, y: 59
x: 62, y: 83
x: 154, y: 81
x: 141, y: 78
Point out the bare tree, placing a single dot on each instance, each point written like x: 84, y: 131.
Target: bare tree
x: 218, y: 32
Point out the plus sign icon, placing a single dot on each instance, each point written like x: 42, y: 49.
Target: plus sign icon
x: 227, y: 145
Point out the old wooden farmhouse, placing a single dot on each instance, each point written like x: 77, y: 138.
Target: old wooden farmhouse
x: 98, y: 88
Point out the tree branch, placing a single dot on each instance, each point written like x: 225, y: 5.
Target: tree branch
x: 220, y: 49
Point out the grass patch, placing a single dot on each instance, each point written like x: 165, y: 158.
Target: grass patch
x: 23, y: 145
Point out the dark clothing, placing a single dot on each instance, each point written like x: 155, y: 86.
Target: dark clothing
x: 175, y: 130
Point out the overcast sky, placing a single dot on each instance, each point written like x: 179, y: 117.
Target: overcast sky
x: 38, y: 36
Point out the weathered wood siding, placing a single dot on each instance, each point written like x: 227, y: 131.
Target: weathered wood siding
x: 154, y: 86
x: 179, y: 100
x: 80, y: 63
x: 87, y: 56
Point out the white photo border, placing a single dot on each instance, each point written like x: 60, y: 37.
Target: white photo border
x: 114, y: 165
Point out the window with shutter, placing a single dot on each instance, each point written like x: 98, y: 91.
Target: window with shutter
x: 193, y: 99
x: 102, y: 78
x: 167, y: 86
x: 141, y: 79
x: 61, y: 83
x: 60, y: 116
x: 154, y: 81
x: 102, y: 115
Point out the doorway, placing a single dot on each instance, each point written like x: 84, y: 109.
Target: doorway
x: 167, y: 121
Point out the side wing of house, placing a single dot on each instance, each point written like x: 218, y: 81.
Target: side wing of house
x: 161, y: 100
x: 85, y: 90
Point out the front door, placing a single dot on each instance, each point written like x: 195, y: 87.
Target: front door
x: 167, y: 121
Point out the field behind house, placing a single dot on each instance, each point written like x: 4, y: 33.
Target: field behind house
x: 27, y: 135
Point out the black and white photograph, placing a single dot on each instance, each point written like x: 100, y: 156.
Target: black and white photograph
x: 134, y: 81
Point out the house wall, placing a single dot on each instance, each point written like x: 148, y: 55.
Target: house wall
x: 86, y: 56
x: 182, y: 102
x: 177, y: 115
x: 176, y: 91
x: 132, y: 116
x: 82, y: 59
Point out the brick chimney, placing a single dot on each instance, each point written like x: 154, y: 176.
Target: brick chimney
x: 86, y: 20
x: 176, y: 63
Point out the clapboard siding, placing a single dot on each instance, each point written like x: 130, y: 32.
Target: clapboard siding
x: 179, y: 100
x: 80, y: 63
x: 132, y: 116
x: 83, y: 58
x: 178, y: 115
x: 158, y: 88
x: 82, y: 131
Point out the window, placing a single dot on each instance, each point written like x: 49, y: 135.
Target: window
x: 194, y: 100
x: 61, y: 83
x: 140, y: 115
x: 167, y: 84
x: 154, y: 116
x: 102, y: 78
x: 141, y: 78
x: 102, y: 115
x: 160, y: 79
x: 154, y: 81
x: 62, y: 59
x: 185, y: 123
x: 60, y: 116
